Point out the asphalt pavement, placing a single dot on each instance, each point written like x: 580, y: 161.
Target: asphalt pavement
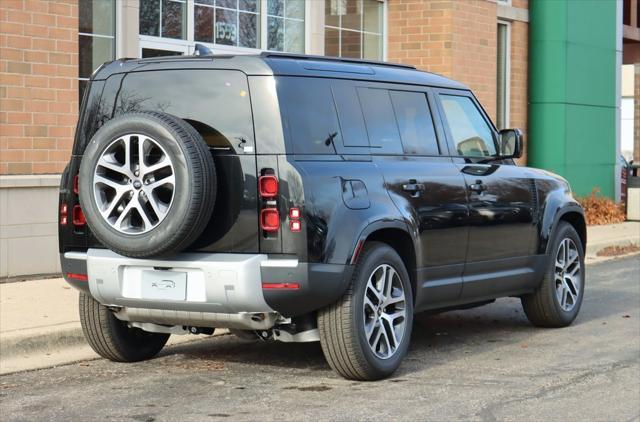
x: 487, y: 363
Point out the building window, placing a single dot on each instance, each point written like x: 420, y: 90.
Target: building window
x: 353, y: 28
x: 230, y: 23
x: 503, y: 75
x: 225, y: 23
x: 96, y: 38
x: 285, y: 25
x: 164, y: 18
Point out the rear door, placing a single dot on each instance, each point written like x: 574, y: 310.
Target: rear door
x: 216, y: 103
x: 502, y: 201
x: 423, y: 183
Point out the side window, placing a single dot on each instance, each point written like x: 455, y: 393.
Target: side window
x: 472, y: 136
x: 380, y: 121
x: 311, y: 114
x: 415, y: 123
x: 354, y: 132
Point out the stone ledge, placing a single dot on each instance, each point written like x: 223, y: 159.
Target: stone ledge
x: 29, y: 181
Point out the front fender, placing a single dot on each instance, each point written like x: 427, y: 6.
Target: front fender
x: 557, y: 204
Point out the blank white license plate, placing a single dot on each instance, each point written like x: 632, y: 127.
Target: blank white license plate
x: 164, y: 285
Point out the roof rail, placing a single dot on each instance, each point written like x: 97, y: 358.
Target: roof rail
x: 270, y: 54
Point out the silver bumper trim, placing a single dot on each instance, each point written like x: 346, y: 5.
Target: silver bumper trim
x: 222, y: 290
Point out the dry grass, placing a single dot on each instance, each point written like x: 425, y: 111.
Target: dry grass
x: 601, y: 210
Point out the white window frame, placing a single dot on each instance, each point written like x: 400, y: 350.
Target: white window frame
x: 383, y: 35
x: 507, y: 76
x: 187, y: 46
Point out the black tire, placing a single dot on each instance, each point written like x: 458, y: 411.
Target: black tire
x: 194, y: 191
x: 113, y: 339
x: 542, y: 307
x: 342, y: 327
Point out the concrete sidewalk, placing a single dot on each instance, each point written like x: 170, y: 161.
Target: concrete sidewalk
x: 40, y: 327
x: 623, y: 234
x: 39, y: 324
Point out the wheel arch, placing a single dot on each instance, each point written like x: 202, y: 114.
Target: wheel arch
x: 398, y: 238
x: 577, y: 220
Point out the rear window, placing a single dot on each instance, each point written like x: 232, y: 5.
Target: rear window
x: 216, y: 102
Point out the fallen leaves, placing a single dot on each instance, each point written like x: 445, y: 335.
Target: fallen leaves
x: 618, y: 250
x: 601, y: 210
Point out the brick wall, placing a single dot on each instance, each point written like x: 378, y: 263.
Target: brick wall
x: 38, y: 84
x: 450, y: 37
x: 458, y: 39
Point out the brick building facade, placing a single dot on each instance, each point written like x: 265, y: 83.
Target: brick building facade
x: 39, y: 85
x: 48, y: 48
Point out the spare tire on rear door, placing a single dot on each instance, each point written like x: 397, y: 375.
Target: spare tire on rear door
x: 147, y: 184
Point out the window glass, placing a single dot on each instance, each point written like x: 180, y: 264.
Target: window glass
x: 472, y: 136
x: 96, y: 38
x: 354, y: 132
x: 310, y: 114
x: 502, y: 100
x: 380, y: 121
x: 227, y: 22
x: 285, y: 25
x: 163, y: 18
x: 415, y: 123
x: 192, y: 95
x: 353, y: 28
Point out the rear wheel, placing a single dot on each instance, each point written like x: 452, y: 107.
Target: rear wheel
x: 557, y: 300
x: 114, y: 339
x: 365, y: 335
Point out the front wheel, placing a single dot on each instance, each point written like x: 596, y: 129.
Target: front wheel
x: 365, y: 335
x: 114, y: 339
x: 556, y: 302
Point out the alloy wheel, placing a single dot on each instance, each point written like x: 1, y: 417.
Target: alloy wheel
x: 568, y: 274
x: 134, y: 184
x: 385, y: 311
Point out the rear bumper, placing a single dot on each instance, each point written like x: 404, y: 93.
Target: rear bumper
x: 220, y: 288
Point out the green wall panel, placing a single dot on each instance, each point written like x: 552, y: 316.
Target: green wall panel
x: 572, y: 92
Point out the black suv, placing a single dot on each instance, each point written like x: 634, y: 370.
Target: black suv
x: 301, y: 198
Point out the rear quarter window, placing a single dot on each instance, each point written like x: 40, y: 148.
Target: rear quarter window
x: 215, y: 102
x: 310, y: 116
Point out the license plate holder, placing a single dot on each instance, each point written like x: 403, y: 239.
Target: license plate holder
x: 164, y: 285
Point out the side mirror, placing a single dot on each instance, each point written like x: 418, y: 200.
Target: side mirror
x: 510, y: 143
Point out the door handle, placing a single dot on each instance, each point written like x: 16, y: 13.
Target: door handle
x: 413, y: 186
x: 478, y: 186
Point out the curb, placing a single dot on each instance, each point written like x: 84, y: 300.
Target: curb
x: 594, y: 248
x: 28, y: 342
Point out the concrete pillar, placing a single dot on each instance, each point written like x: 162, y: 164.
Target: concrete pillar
x: 128, y: 25
x: 315, y: 34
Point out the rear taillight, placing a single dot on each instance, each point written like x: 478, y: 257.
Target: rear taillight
x: 268, y: 186
x: 269, y: 220
x: 64, y: 214
x: 78, y: 216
